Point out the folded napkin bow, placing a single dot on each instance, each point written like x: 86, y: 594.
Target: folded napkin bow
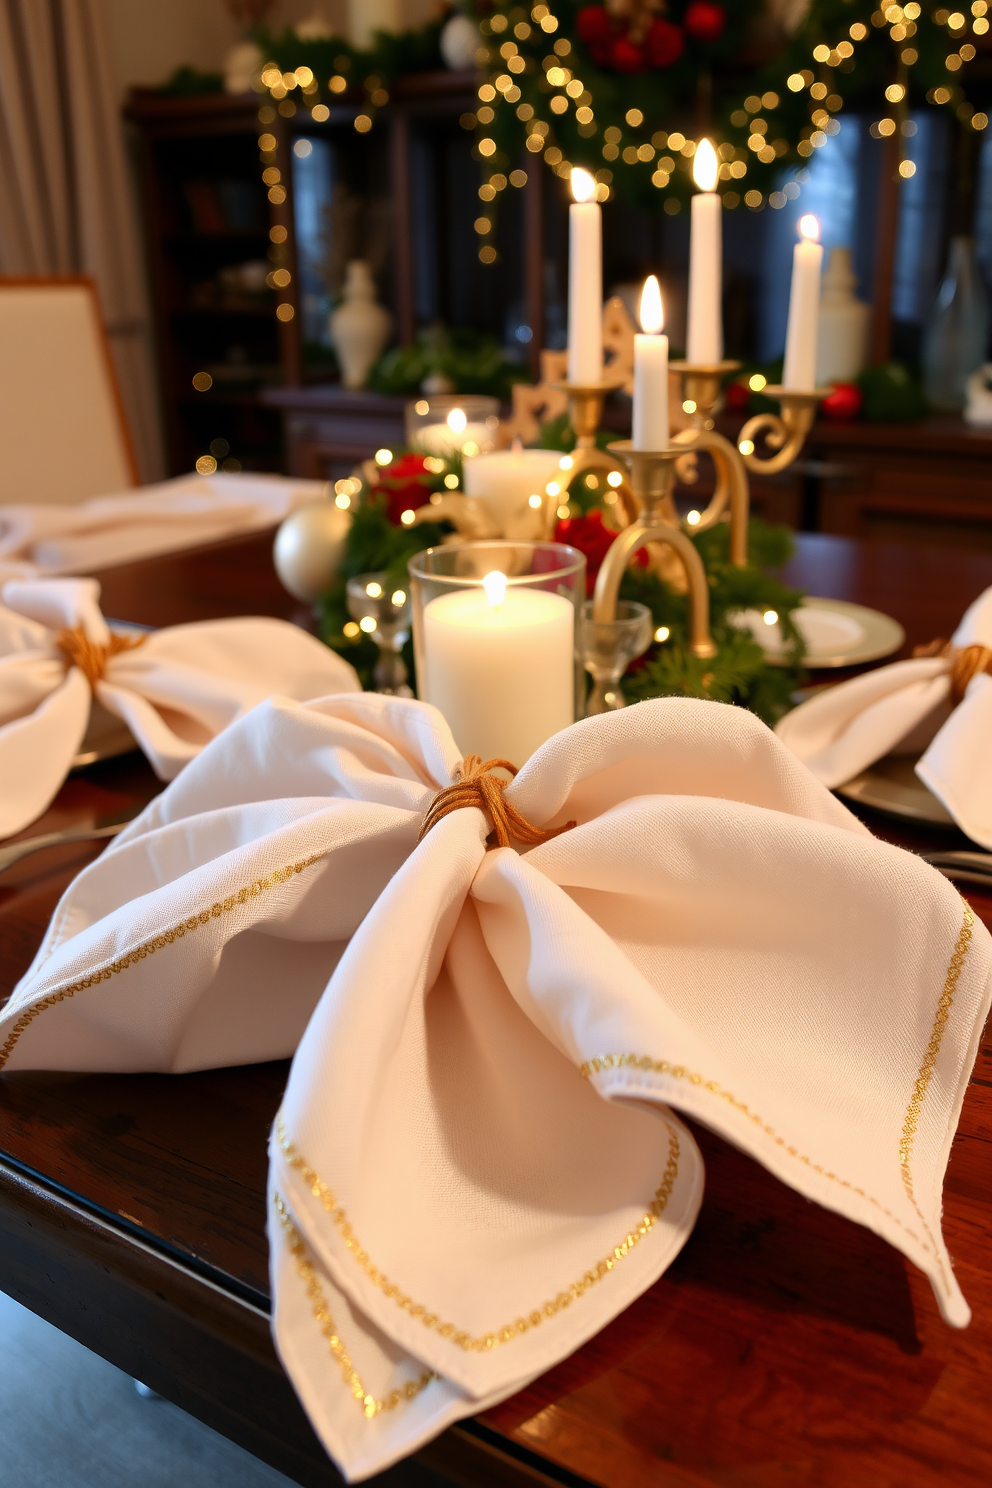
x: 477, y: 1164
x: 175, y: 688
x: 938, y: 705
x: 39, y: 538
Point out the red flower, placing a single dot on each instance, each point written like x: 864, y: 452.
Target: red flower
x: 589, y: 535
x: 842, y: 404
x: 664, y: 43
x: 405, y: 484
x: 736, y: 397
x: 704, y: 20
x: 627, y: 57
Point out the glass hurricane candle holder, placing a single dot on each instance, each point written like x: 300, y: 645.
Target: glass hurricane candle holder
x: 494, y: 634
x: 383, y: 612
x: 607, y: 647
x: 453, y: 424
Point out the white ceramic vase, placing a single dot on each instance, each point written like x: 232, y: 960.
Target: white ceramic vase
x: 360, y: 326
x: 842, y: 341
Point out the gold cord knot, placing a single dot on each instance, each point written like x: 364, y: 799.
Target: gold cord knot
x: 965, y: 662
x: 475, y: 785
x: 89, y: 656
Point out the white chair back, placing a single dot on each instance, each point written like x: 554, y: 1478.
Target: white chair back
x: 63, y: 437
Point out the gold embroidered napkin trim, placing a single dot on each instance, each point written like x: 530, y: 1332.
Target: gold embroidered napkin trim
x: 603, y: 1062
x: 89, y: 656
x: 185, y: 927
x: 476, y: 785
x: 462, y: 1338
x: 371, y: 1406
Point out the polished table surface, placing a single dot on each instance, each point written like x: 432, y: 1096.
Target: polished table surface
x: 785, y: 1346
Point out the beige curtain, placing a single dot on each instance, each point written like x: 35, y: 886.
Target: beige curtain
x: 65, y: 196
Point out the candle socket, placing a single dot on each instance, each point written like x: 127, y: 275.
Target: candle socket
x: 651, y: 475
x: 701, y: 386
x: 585, y: 412
x: 784, y: 433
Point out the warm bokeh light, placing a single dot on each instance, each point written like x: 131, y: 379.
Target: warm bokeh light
x: 583, y: 184
x: 457, y: 420
x: 705, y: 166
x: 652, y: 314
x: 809, y: 227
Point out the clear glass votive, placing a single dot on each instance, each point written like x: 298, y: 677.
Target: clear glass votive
x: 607, y: 647
x: 453, y: 424
x: 383, y: 612
x: 494, y: 637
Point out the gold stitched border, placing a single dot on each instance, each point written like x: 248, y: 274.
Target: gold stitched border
x: 322, y: 1316
x: 604, y: 1062
x: 461, y: 1338
x: 185, y: 927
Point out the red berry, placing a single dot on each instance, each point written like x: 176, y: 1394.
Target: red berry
x: 593, y: 25
x: 704, y: 20
x: 736, y: 397
x: 664, y: 44
x: 842, y: 404
x: 626, y: 56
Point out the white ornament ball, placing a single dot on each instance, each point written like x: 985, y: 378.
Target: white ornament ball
x: 460, y: 41
x: 308, y: 548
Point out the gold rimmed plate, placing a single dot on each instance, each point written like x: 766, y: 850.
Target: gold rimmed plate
x: 837, y: 633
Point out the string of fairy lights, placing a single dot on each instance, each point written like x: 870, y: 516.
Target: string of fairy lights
x: 537, y: 88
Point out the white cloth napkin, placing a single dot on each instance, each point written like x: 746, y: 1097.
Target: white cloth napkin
x: 178, y: 689
x: 906, y: 708
x: 477, y: 1164
x: 181, y: 513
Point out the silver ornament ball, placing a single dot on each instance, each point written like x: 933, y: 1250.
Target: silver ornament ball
x: 308, y: 548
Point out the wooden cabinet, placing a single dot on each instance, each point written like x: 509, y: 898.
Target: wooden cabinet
x: 924, y: 483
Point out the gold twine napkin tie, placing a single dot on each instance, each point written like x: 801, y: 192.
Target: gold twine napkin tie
x: 965, y: 662
x: 475, y: 785
x: 90, y: 656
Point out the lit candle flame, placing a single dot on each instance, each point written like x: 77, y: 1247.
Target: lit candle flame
x: 583, y: 184
x: 651, y: 314
x: 809, y: 227
x: 457, y: 420
x: 704, y: 166
x: 495, y: 586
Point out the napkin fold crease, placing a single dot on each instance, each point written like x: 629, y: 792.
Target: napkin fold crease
x: 912, y: 707
x: 479, y: 1159
x: 174, y: 688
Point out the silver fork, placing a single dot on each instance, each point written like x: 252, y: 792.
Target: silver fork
x: 110, y: 828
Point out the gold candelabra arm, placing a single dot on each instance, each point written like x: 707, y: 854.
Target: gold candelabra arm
x: 623, y: 548
x: 731, y: 488
x: 785, y: 433
x: 593, y: 459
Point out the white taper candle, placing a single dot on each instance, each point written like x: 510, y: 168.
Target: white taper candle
x: 585, y: 282
x: 799, y: 372
x: 650, y: 423
x: 704, y: 335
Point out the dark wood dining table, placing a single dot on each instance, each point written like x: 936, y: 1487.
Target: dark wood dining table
x: 784, y: 1348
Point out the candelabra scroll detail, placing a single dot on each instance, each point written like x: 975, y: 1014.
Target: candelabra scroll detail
x: 652, y: 472
x: 784, y: 433
x: 732, y: 488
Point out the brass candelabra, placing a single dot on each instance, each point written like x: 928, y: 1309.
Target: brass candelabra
x: 784, y: 433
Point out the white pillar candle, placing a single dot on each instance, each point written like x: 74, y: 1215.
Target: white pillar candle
x: 704, y: 336
x: 455, y: 435
x: 500, y: 666
x: 650, y: 424
x: 506, y: 484
x: 585, y: 282
x: 799, y: 372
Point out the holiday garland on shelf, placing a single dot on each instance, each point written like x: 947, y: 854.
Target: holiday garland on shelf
x: 600, y: 85
x: 383, y: 537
